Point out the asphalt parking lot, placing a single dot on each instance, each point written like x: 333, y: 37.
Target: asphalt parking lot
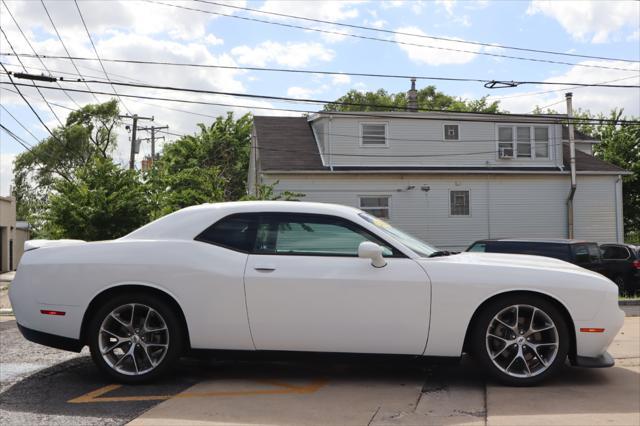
x: 39, y: 385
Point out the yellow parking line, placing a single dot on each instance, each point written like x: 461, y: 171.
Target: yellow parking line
x: 283, y: 388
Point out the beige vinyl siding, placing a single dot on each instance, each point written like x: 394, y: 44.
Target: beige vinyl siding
x: 595, y: 208
x: 410, y: 139
x: 524, y: 206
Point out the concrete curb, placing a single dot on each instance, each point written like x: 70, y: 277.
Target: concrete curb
x: 6, y: 312
x: 635, y: 302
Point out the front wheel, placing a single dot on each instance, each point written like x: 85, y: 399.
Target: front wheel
x: 135, y: 338
x: 521, y: 340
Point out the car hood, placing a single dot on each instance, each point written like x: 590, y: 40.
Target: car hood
x: 513, y: 260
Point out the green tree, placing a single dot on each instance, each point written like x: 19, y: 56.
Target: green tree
x: 103, y: 201
x: 209, y: 166
x: 87, y: 133
x: 428, y: 98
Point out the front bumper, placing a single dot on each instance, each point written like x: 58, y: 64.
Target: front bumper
x: 603, y: 361
x: 51, y: 340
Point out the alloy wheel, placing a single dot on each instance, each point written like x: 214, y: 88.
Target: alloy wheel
x: 522, y: 341
x: 133, y: 339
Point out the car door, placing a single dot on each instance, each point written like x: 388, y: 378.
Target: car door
x: 307, y: 290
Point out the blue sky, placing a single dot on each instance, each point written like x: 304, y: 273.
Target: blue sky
x: 141, y: 30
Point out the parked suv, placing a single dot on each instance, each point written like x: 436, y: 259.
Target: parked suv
x: 622, y: 265
x: 582, y: 253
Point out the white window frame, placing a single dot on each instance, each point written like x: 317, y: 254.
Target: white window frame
x: 361, y: 124
x: 385, y: 195
x: 514, y: 141
x: 444, y: 132
x: 468, y: 190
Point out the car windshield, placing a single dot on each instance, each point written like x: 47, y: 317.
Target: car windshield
x: 420, y: 247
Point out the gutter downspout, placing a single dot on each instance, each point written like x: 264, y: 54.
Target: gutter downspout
x: 572, y: 163
x: 329, y: 134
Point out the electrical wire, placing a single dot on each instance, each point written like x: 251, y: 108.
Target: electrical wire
x: 33, y: 49
x: 65, y: 47
x: 97, y: 55
x: 381, y: 30
x: 19, y: 123
x: 245, y: 18
x: 324, y: 72
x: 34, y: 85
x: 536, y: 118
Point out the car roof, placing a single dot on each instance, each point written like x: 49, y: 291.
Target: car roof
x: 190, y: 221
x: 537, y: 240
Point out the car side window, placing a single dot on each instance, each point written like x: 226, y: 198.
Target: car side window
x: 235, y: 232
x: 311, y: 235
x: 615, y: 253
x: 594, y: 253
x: 478, y: 247
x: 581, y: 253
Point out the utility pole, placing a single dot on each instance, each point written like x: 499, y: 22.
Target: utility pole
x: 572, y: 163
x: 153, y: 138
x: 134, y: 130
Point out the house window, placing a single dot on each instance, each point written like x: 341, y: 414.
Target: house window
x: 451, y: 132
x: 523, y: 142
x: 541, y: 136
x: 459, y: 203
x: 373, y: 134
x: 376, y: 205
x: 505, y: 141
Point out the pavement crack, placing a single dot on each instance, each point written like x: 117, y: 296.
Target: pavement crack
x: 374, y: 415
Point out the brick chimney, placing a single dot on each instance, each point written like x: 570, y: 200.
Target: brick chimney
x: 412, y: 97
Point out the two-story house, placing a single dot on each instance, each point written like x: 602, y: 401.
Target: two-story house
x: 448, y: 178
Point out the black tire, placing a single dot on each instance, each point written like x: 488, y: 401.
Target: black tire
x: 174, y: 337
x: 482, y: 344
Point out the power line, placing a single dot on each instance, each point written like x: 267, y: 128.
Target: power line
x: 34, y: 85
x: 19, y: 123
x: 32, y: 48
x: 323, y: 72
x: 245, y: 18
x: 381, y: 30
x: 97, y: 55
x: 536, y: 119
x: 65, y: 47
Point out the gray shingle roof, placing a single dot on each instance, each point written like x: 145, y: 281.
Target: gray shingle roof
x: 288, y: 144
x: 577, y: 135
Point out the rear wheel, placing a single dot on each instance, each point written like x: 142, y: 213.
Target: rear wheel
x: 135, y: 338
x: 521, y: 340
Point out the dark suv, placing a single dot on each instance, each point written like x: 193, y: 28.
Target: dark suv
x: 582, y: 253
x: 622, y: 265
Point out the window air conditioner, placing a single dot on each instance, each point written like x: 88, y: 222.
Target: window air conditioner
x: 506, y: 152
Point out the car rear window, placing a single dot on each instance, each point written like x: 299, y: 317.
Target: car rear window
x: 236, y: 232
x: 555, y: 250
x: 615, y: 253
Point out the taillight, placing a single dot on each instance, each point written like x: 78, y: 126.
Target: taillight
x: 636, y: 264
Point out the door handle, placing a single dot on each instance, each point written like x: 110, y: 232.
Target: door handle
x: 264, y: 269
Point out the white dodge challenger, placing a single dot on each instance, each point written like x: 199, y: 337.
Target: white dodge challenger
x: 304, y: 278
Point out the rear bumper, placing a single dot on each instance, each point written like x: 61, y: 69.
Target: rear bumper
x: 51, y: 340
x: 602, y: 361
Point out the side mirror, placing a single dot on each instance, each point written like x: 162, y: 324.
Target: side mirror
x: 373, y: 251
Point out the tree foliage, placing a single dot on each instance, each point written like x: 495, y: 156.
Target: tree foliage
x: 428, y: 98
x: 87, y: 133
x: 103, y: 201
x: 206, y: 167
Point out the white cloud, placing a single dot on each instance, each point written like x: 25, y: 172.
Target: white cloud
x: 6, y: 173
x: 392, y: 4
x: 341, y: 79
x: 378, y: 23
x: 435, y: 55
x: 299, y: 92
x: 635, y: 36
x: 596, y: 20
x: 289, y: 54
x: 448, y: 5
x: 595, y: 99
x: 213, y: 40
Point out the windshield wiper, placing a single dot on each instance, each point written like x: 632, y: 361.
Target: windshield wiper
x: 440, y: 253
